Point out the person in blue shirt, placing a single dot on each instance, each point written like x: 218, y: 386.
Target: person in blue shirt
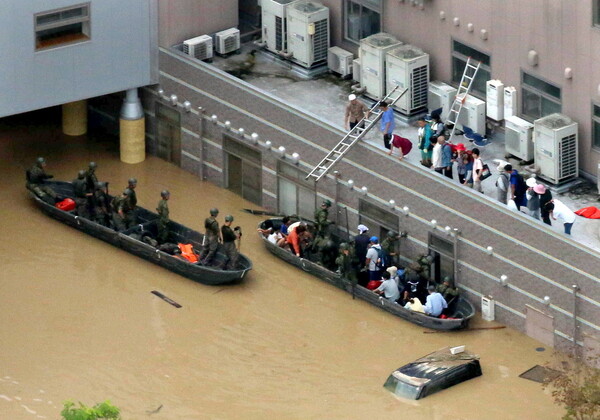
x: 387, y: 123
x: 435, y: 302
x: 517, y: 192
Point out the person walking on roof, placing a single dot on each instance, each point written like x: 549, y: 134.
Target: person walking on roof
x: 387, y: 124
x: 355, y: 111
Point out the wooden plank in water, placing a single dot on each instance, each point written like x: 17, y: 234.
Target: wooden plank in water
x: 166, y: 299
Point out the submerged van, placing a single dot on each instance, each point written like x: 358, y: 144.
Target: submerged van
x: 432, y: 373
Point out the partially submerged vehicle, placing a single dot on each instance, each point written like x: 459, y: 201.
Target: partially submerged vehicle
x: 131, y: 241
x: 459, y: 312
x: 432, y: 373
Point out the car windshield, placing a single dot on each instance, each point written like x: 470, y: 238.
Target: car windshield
x: 404, y: 386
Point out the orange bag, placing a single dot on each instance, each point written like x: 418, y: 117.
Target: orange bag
x: 187, y: 252
x: 66, y: 205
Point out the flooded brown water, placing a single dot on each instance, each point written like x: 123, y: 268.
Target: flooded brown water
x: 79, y: 322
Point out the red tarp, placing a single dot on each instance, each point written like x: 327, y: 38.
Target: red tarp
x: 589, y: 212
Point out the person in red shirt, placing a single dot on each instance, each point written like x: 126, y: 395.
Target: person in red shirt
x: 294, y: 239
x: 403, y: 145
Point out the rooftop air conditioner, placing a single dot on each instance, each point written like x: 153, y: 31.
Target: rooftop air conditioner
x: 340, y: 61
x: 274, y: 24
x: 440, y: 95
x: 308, y: 32
x: 200, y: 47
x: 518, y: 138
x: 494, y: 96
x: 227, y: 41
x: 472, y: 115
x: 556, y: 153
x: 372, y: 55
x: 408, y: 67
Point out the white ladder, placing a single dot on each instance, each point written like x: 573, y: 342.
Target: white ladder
x: 354, y: 135
x: 461, y: 94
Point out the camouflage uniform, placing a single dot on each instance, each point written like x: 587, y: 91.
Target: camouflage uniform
x: 211, y: 239
x: 121, y: 205
x: 163, y: 221
x: 81, y: 199
x: 102, y: 210
x: 321, y: 219
x: 229, y: 247
x: 388, y: 245
x: 35, y: 183
x: 447, y: 291
x: 345, y: 263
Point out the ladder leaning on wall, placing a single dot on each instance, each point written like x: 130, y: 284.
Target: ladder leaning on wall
x: 466, y: 82
x: 354, y: 135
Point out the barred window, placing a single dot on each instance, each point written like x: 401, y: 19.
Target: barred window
x: 61, y: 27
x: 539, y: 98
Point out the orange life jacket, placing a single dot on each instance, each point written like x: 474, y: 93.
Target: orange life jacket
x: 187, y: 252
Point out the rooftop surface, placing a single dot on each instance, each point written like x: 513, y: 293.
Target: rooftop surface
x: 326, y: 95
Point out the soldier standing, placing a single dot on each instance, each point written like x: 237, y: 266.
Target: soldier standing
x: 163, y: 217
x: 132, y: 202
x: 35, y: 181
x: 211, y: 237
x: 91, y: 179
x: 229, y: 238
x: 102, y: 210
x: 122, y: 211
x: 389, y: 247
x: 321, y: 218
x: 81, y: 194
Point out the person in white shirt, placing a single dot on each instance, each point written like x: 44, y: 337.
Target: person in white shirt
x: 477, y: 169
x: 558, y: 210
x: 389, y: 288
x: 275, y: 237
x: 436, y: 157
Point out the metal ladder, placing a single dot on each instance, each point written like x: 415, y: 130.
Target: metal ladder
x: 354, y: 135
x: 461, y: 94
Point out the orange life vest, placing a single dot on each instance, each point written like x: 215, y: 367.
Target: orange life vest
x: 187, y: 252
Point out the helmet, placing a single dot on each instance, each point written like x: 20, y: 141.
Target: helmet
x: 93, y: 165
x: 127, y: 192
x: 132, y: 181
x: 165, y: 193
x: 81, y: 174
x: 100, y: 185
x: 214, y: 212
x: 40, y: 161
x: 344, y: 246
x: 229, y: 218
x: 326, y: 203
x: 392, y: 234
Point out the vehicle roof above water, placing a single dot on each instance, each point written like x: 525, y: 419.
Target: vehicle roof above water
x: 433, y: 365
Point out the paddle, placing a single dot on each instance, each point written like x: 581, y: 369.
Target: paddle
x: 262, y: 213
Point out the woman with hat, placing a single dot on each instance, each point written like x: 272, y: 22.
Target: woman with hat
x: 461, y: 165
x: 533, y: 199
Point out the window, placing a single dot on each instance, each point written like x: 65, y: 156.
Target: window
x: 539, y: 98
x: 62, y: 26
x: 596, y: 126
x: 596, y: 12
x: 460, y: 54
x: 379, y: 220
x: 296, y: 195
x: 363, y: 18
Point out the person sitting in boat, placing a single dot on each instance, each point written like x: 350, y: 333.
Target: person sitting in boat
x: 447, y: 289
x: 295, y: 239
x: 267, y: 228
x: 122, y: 211
x: 35, y: 182
x: 389, y: 288
x: 396, y: 275
x: 82, y: 195
x: 413, y: 282
x: 435, y: 303
x: 414, y: 304
x: 275, y: 236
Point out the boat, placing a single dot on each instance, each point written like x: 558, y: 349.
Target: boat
x: 130, y: 240
x: 432, y: 373
x: 459, y: 313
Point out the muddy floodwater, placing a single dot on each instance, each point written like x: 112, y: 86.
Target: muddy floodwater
x: 78, y: 321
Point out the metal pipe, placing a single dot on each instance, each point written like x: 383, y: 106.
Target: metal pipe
x: 575, y: 324
x: 132, y: 107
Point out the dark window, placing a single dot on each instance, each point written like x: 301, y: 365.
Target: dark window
x: 363, y: 18
x: 539, y: 98
x: 243, y: 169
x: 596, y: 125
x: 62, y: 26
x: 460, y: 54
x: 442, y: 250
x: 596, y: 13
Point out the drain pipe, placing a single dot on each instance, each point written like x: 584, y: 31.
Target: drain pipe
x: 132, y: 129
x: 575, y: 289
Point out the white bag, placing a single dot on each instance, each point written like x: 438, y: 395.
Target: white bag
x: 512, y: 205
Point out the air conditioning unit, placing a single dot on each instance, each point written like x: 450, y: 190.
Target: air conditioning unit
x: 356, y: 70
x: 510, y: 101
x: 308, y: 32
x: 227, y: 41
x: 556, y: 152
x: 373, y: 50
x: 408, y: 67
x: 274, y: 24
x: 494, y: 97
x: 518, y: 135
x: 472, y: 114
x: 440, y: 95
x: 200, y: 47
x: 340, y: 61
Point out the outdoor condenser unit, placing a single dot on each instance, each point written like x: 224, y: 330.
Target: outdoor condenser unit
x: 200, y: 47
x: 308, y: 32
x: 556, y: 152
x: 274, y: 24
x: 340, y: 61
x: 372, y: 55
x: 494, y: 96
x: 408, y: 67
x: 227, y: 41
x: 510, y: 101
x: 473, y: 114
x: 440, y: 95
x: 518, y: 135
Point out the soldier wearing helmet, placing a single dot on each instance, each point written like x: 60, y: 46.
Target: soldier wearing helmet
x: 163, y: 217
x: 122, y: 211
x: 90, y: 177
x: 81, y: 195
x: 345, y: 263
x: 321, y: 218
x: 211, y: 237
x: 388, y: 246
x: 229, y: 238
x: 102, y: 210
x: 36, y: 176
x: 131, y: 184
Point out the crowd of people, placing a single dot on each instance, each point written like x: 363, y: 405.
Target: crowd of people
x: 364, y: 260
x: 92, y: 201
